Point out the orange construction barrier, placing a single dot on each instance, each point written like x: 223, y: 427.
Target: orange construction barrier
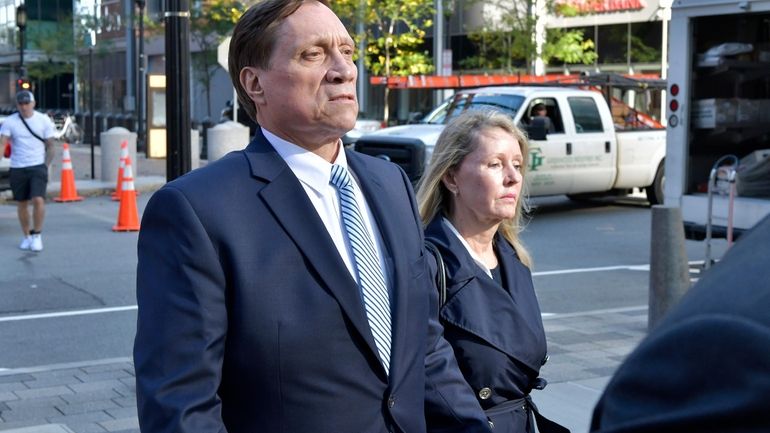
x: 128, y: 215
x: 123, y: 155
x: 68, y: 190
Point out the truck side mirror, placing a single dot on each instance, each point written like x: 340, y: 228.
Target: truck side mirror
x: 537, y: 128
x: 415, y: 117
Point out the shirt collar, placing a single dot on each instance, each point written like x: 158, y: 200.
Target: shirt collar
x: 312, y: 170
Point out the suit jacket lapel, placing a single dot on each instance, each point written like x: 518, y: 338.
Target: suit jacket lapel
x: 286, y: 198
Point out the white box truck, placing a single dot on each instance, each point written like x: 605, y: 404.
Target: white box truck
x: 719, y: 85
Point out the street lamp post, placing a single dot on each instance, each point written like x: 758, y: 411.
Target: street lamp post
x: 90, y: 40
x: 21, y: 23
x: 178, y: 156
x: 141, y: 84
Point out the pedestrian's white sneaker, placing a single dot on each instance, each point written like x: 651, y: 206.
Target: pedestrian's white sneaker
x: 26, y: 242
x: 36, y: 243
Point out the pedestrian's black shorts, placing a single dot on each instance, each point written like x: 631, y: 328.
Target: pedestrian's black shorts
x: 28, y: 182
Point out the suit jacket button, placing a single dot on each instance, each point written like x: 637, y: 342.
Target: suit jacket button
x: 391, y: 402
x: 485, y: 393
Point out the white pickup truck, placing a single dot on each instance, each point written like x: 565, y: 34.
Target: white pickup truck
x: 580, y: 153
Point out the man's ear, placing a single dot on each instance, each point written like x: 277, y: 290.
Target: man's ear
x: 249, y: 78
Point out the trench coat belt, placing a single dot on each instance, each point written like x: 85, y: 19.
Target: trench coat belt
x: 544, y: 425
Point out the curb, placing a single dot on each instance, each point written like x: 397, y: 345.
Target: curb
x: 47, y: 428
x: 94, y: 188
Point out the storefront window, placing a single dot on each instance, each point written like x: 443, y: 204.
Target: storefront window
x: 646, y: 40
x: 612, y: 43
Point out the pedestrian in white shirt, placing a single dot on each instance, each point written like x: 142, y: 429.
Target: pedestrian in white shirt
x: 31, y: 134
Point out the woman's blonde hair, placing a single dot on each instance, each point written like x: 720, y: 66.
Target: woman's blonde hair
x: 456, y: 141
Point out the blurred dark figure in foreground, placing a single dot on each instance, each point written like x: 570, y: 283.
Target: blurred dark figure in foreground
x: 706, y: 367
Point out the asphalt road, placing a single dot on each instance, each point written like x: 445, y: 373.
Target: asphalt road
x: 75, y: 300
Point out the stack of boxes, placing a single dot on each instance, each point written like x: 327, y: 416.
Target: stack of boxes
x: 739, y: 112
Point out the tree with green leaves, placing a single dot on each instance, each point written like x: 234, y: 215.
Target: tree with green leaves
x: 55, y: 42
x: 59, y: 43
x: 209, y: 25
x: 394, y: 35
x: 508, y: 43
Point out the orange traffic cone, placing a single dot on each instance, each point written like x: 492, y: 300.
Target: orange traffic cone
x: 128, y: 216
x: 123, y: 155
x: 68, y: 191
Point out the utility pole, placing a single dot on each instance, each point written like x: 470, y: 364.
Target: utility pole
x: 91, y: 101
x: 21, y: 23
x: 178, y: 153
x: 362, y: 85
x: 141, y: 83
x: 129, y: 103
x: 438, y: 48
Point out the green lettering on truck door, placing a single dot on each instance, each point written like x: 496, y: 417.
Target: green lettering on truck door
x: 535, y: 158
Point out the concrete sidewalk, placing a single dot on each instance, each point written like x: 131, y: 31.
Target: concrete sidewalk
x: 99, y: 396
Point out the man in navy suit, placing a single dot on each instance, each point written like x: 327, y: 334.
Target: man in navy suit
x: 253, y: 304
x: 706, y: 366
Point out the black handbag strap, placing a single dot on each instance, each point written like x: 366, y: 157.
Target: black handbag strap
x: 440, y: 272
x: 30, y: 129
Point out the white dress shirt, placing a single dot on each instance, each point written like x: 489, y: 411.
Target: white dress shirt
x: 314, y: 174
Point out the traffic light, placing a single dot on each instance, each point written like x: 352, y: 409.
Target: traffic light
x: 23, y: 84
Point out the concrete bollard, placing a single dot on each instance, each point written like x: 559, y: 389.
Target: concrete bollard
x: 195, y: 149
x: 225, y: 138
x: 669, y: 270
x: 110, y: 143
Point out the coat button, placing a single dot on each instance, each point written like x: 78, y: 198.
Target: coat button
x: 485, y: 393
x: 391, y: 402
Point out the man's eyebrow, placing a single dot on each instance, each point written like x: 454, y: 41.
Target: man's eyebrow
x: 326, y: 40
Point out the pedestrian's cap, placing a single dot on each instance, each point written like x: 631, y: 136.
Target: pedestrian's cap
x: 25, y: 97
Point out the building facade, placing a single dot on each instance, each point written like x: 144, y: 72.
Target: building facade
x: 102, y: 71
x: 45, y: 20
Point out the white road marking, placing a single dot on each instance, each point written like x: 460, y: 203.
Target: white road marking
x: 594, y: 312
x: 646, y: 268
x: 599, y: 269
x: 67, y: 313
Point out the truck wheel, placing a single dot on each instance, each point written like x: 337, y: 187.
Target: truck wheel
x: 655, y: 191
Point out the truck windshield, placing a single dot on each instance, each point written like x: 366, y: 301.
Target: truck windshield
x: 460, y: 102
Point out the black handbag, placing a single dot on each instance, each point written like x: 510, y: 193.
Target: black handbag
x: 440, y: 271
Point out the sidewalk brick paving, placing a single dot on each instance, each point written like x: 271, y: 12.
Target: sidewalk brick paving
x: 99, y: 396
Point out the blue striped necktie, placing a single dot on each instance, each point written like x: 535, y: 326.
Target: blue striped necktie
x: 365, y: 263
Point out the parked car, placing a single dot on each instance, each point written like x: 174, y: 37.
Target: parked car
x: 5, y: 166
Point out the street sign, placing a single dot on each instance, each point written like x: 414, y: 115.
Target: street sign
x: 222, y: 51
x: 446, y: 62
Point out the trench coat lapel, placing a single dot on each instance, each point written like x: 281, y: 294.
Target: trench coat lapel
x: 508, y: 320
x: 283, y: 194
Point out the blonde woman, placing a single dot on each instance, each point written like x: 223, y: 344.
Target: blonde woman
x: 471, y: 199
